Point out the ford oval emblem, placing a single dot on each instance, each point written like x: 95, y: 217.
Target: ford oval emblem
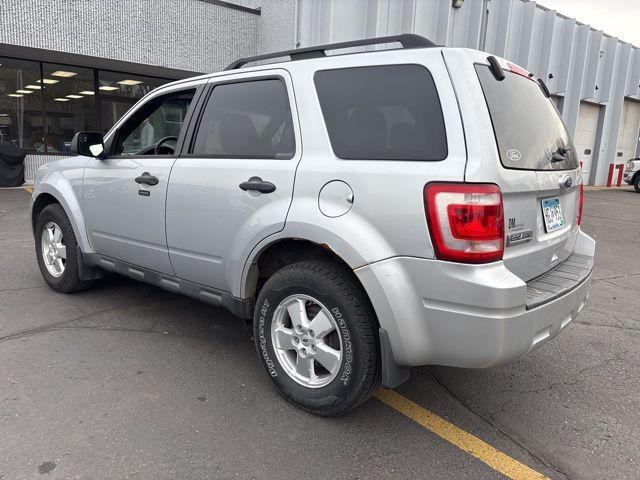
x: 566, y: 182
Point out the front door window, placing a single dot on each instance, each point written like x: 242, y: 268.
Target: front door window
x: 155, y: 127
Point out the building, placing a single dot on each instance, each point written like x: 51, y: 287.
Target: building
x: 79, y: 64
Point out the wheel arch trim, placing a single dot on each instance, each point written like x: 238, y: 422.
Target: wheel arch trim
x: 63, y: 193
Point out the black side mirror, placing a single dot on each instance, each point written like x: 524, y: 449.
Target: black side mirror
x: 90, y: 144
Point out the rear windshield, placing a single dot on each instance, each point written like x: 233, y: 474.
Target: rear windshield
x: 389, y: 112
x: 528, y: 129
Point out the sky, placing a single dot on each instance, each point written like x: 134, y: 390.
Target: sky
x: 619, y: 18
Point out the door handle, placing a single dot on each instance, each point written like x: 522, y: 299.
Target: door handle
x: 259, y: 185
x: 147, y: 178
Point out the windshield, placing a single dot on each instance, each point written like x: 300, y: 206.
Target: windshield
x: 528, y: 129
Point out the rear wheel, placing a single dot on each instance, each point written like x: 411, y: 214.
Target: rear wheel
x: 57, y: 251
x: 317, y: 337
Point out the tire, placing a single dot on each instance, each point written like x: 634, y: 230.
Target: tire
x: 330, y: 297
x: 636, y: 183
x: 66, y: 280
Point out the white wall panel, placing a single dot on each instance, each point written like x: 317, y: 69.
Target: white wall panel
x: 585, y: 136
x: 628, y: 132
x: 592, y: 64
x: 576, y: 75
x: 633, y: 77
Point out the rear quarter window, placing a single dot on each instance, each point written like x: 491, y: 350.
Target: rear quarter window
x: 389, y: 112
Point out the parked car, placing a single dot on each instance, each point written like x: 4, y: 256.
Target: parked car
x: 369, y: 211
x: 631, y: 173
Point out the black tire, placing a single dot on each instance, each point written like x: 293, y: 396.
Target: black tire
x: 636, y: 183
x: 335, y: 287
x: 69, y: 281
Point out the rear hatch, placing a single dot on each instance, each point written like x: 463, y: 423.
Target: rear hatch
x: 537, y: 169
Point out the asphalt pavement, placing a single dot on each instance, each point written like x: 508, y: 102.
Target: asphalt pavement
x: 126, y: 380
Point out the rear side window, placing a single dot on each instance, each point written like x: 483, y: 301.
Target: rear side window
x: 389, y: 112
x: 528, y: 129
x: 247, y: 120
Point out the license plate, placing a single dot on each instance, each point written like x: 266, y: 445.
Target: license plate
x: 552, y: 213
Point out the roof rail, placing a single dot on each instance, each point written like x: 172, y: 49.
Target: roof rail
x: 407, y: 40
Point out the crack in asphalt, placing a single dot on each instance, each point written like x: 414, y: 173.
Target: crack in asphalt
x: 624, y: 287
x: 566, y: 383
x: 607, y: 218
x: 21, y: 288
x: 618, y: 327
x: 127, y: 330
x: 52, y: 326
x: 538, y: 457
x: 625, y: 275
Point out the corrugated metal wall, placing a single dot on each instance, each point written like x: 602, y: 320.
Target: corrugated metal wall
x: 577, y: 62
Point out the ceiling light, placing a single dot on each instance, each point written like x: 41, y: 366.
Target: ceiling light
x: 4, y: 114
x: 87, y: 92
x: 24, y: 91
x: 63, y: 73
x: 17, y: 95
x: 130, y: 82
x: 107, y: 88
x: 34, y: 87
x: 61, y: 99
x: 74, y: 96
x: 48, y: 81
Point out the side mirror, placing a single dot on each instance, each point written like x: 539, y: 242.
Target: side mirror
x: 89, y: 144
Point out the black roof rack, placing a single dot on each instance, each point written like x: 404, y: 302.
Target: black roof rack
x: 407, y: 40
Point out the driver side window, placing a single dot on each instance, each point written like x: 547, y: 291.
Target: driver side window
x: 155, y: 127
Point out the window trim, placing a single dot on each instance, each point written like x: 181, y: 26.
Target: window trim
x: 437, y: 91
x: 160, y: 92
x: 206, y: 96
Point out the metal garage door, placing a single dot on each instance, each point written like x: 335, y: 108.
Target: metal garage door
x: 628, y: 133
x: 585, y: 137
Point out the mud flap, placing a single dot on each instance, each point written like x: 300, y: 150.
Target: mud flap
x: 393, y: 375
x: 86, y: 272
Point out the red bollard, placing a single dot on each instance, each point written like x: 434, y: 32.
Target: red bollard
x: 610, y: 176
x: 620, y: 170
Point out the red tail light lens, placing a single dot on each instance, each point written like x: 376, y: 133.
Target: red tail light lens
x: 580, y: 202
x: 466, y: 221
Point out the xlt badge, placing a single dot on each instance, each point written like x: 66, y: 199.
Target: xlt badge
x: 519, y: 237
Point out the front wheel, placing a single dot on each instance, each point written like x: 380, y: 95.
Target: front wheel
x: 636, y: 183
x: 317, y: 337
x: 57, y: 251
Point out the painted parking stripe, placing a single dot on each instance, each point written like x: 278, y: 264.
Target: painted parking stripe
x: 29, y: 189
x: 494, y: 458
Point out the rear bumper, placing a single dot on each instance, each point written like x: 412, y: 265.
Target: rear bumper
x: 472, y: 316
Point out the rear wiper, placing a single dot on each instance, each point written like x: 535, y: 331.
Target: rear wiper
x: 559, y: 154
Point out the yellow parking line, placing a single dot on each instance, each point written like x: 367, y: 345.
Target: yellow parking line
x: 458, y: 437
x: 29, y: 189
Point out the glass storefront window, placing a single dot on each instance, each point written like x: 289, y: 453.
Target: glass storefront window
x: 118, y: 92
x: 21, y: 104
x: 42, y: 105
x: 69, y: 104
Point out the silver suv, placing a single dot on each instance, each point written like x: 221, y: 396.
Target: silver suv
x: 368, y: 211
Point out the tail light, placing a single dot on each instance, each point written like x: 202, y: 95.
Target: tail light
x: 466, y: 221
x: 580, y: 202
x: 519, y: 70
